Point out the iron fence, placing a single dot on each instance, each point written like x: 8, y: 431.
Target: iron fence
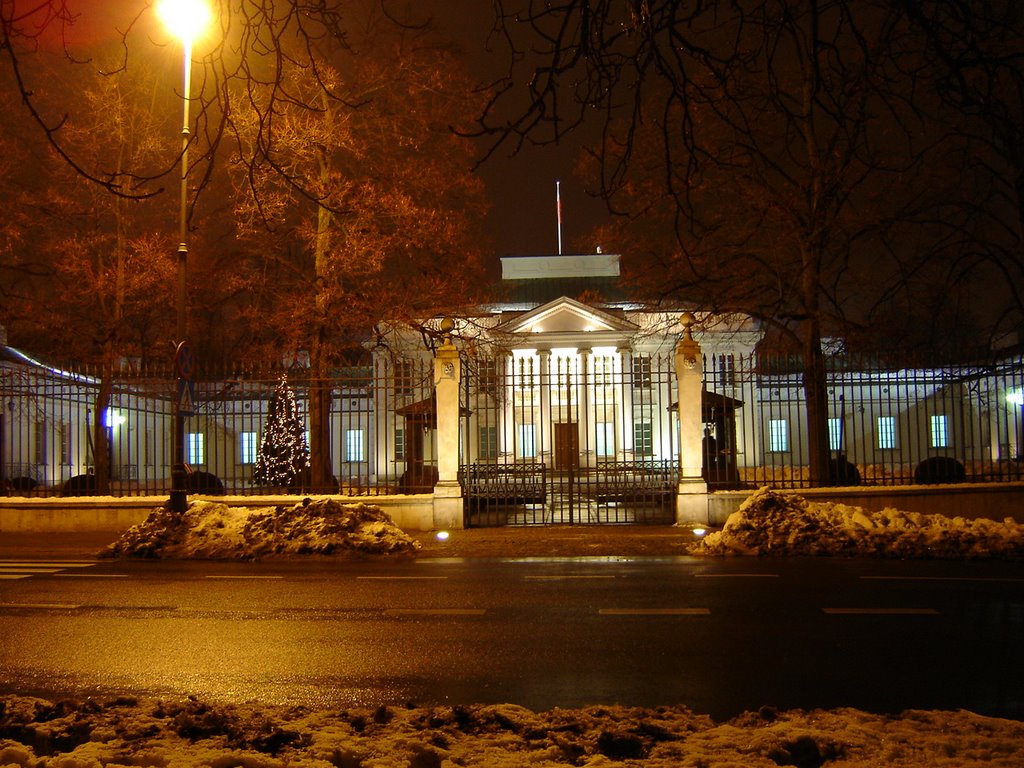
x: 599, y: 426
x: 378, y: 437
x: 887, y: 425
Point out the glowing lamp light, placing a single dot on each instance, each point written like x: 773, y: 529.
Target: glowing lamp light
x: 698, y: 532
x: 1015, y: 397
x: 185, y: 19
x: 442, y: 535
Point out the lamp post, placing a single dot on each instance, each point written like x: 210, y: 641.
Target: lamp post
x: 186, y: 20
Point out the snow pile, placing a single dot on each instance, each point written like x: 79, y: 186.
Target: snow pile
x: 215, y: 531
x: 772, y: 523
x: 125, y: 732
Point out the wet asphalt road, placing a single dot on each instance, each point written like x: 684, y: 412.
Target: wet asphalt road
x: 720, y: 636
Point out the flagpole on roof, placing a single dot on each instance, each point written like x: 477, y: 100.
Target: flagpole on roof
x: 558, y: 206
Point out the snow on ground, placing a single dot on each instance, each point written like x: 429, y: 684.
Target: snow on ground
x: 773, y: 523
x: 127, y: 732
x: 168, y: 734
x: 215, y: 531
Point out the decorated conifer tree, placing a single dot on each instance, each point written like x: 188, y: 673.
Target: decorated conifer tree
x: 283, y: 453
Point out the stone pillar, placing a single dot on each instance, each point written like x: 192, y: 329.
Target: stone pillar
x: 447, y: 375
x: 691, y: 501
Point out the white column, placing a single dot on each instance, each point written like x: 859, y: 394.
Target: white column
x: 447, y: 375
x: 691, y: 501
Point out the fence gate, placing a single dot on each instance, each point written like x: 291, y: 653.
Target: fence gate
x: 569, y: 437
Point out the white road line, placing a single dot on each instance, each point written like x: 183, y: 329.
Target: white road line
x: 940, y: 578
x: 14, y: 575
x: 435, y: 612
x: 63, y: 606
x: 881, y: 611
x: 736, y: 575
x: 47, y: 563
x: 28, y: 569
x: 654, y: 611
x: 91, y: 575
x: 401, y: 578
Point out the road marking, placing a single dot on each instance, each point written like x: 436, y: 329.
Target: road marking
x: 736, y: 575
x: 245, y: 578
x: 23, y: 569
x: 881, y: 611
x: 48, y: 563
x: 91, y: 575
x: 435, y: 612
x: 568, y: 577
x: 62, y: 606
x: 941, y: 578
x: 401, y: 578
x: 654, y: 611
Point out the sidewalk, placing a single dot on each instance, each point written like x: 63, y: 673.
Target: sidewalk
x: 534, y: 541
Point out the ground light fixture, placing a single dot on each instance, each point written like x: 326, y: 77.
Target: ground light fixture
x: 442, y: 535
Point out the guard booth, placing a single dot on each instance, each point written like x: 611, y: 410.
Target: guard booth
x: 718, y: 412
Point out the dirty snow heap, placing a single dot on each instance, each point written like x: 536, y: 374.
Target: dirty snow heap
x: 215, y: 531
x: 773, y: 523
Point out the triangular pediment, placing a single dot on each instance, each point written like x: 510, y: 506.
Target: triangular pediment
x: 568, y: 316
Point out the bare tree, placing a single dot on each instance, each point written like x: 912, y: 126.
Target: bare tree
x: 762, y: 154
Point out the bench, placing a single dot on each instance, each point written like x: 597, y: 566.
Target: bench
x: 504, y: 484
x: 633, y: 484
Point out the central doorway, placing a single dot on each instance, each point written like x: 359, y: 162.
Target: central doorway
x: 567, y: 446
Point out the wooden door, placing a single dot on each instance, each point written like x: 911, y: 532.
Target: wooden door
x: 567, y: 446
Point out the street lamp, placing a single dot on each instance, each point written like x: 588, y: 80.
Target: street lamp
x: 186, y: 20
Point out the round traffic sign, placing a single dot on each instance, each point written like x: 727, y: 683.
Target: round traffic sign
x: 185, y: 360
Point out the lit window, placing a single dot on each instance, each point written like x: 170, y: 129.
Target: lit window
x: 835, y: 434
x: 527, y: 441
x: 196, y: 448
x: 400, y: 444
x: 354, y: 445
x: 778, y: 435
x: 940, y: 435
x: 248, y: 447
x: 605, y: 437
x: 886, y: 430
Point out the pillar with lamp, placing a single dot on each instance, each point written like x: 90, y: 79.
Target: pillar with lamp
x: 186, y: 20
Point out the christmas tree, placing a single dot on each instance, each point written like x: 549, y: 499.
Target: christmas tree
x: 283, y: 453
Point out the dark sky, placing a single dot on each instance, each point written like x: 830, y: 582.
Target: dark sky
x: 522, y: 187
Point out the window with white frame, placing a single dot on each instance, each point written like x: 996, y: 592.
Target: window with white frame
x: 939, y: 431
x: 527, y: 441
x: 65, y: 443
x: 727, y: 370
x: 642, y: 378
x: 405, y: 378
x: 835, y: 434
x: 248, y: 448
x: 400, y: 443
x: 488, y: 442
x: 354, y: 445
x: 195, y: 446
x: 885, y: 429
x: 778, y: 435
x: 605, y: 438
x: 643, y: 438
